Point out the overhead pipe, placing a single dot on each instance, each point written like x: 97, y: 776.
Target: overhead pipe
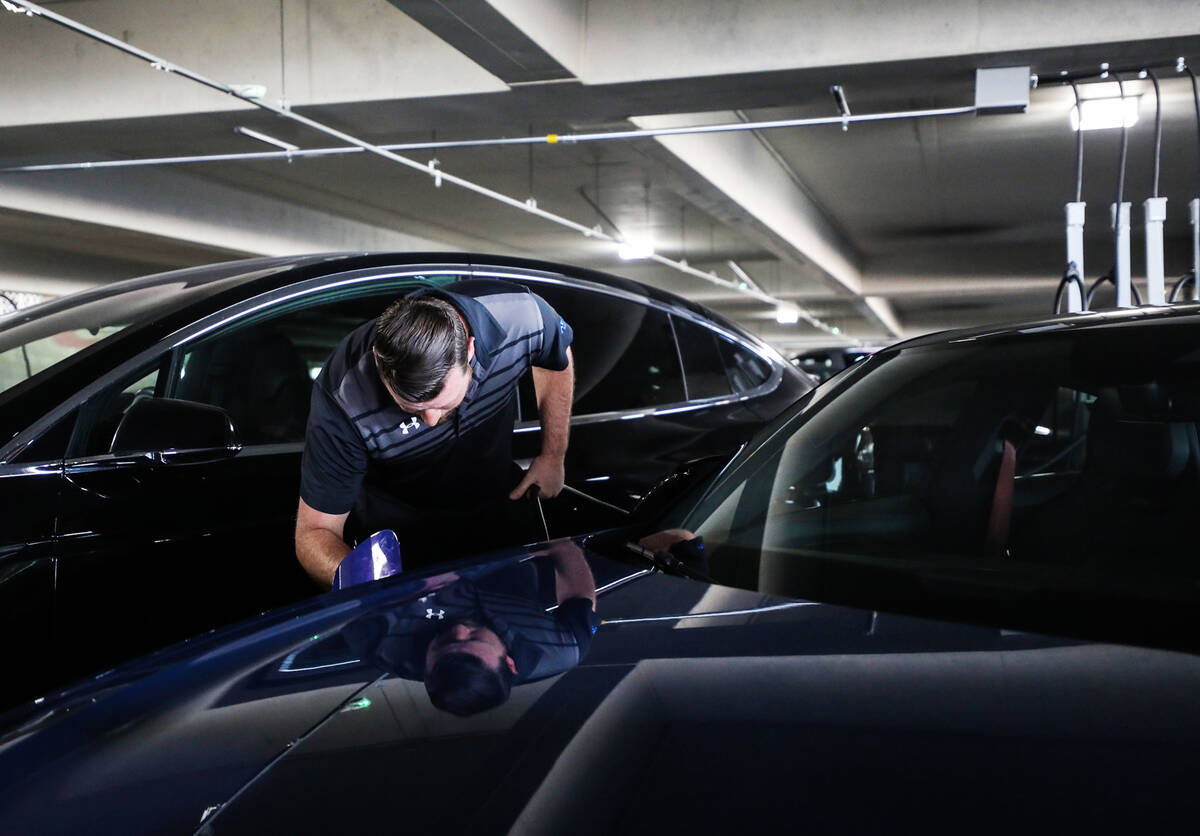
x: 547, y: 139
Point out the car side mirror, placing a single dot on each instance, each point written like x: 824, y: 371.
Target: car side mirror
x: 176, y: 430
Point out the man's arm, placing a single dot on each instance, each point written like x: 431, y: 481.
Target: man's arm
x: 319, y: 544
x: 554, y: 390
x: 572, y: 575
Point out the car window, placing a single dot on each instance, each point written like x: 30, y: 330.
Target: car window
x: 41, y: 337
x: 1079, y: 454
x: 747, y: 371
x: 51, y: 445
x: 703, y: 363
x: 624, y: 352
x: 103, y: 412
x: 261, y: 372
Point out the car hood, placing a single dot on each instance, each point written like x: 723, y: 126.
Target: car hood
x: 696, y: 706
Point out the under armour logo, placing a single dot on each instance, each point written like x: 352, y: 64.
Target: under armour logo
x: 432, y: 613
x: 406, y: 426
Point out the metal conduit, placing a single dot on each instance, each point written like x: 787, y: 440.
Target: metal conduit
x: 547, y: 139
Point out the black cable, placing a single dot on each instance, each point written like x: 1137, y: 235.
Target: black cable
x: 1070, y: 276
x: 1110, y: 277
x: 1078, y: 147
x: 1189, y: 276
x: 1157, y: 128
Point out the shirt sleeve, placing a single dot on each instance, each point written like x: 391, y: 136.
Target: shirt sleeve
x: 334, y: 461
x: 556, y: 337
x: 577, y: 617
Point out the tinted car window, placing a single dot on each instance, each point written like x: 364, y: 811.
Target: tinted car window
x: 1079, y: 454
x: 746, y: 369
x: 624, y: 352
x: 35, y: 340
x: 703, y: 362
x: 261, y: 372
x: 51, y: 444
x: 102, y: 414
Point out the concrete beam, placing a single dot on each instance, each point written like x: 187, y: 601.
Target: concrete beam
x: 882, y: 311
x: 632, y: 40
x: 484, y: 32
x: 742, y: 166
x: 319, y: 52
x: 179, y: 207
x: 557, y: 26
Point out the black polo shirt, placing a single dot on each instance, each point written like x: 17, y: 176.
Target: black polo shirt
x: 362, y: 452
x: 511, y: 600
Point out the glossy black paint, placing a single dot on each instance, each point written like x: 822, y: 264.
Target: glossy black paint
x: 109, y: 555
x: 699, y: 708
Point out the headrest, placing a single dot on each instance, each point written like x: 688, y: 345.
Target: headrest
x: 1128, y: 434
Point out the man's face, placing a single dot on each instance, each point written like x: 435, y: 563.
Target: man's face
x: 442, y: 405
x: 472, y: 638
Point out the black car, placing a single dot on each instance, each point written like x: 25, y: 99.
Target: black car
x: 130, y: 508
x: 1042, y: 476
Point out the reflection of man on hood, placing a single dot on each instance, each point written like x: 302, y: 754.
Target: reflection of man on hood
x: 473, y: 639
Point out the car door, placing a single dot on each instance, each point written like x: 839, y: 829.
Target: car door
x: 29, y: 488
x: 156, y: 548
x: 636, y: 416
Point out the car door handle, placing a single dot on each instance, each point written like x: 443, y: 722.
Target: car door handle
x: 197, y: 456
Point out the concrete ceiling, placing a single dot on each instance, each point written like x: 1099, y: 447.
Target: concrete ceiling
x: 886, y: 229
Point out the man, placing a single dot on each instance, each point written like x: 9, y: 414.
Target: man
x: 475, y: 634
x: 411, y: 425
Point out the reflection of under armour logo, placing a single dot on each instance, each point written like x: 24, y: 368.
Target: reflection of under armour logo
x: 405, y: 427
x: 432, y: 613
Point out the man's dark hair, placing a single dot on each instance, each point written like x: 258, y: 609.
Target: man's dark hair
x: 464, y: 685
x: 417, y: 342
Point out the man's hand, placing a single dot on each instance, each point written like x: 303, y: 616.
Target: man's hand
x: 547, y: 472
x: 661, y: 541
x: 553, y: 390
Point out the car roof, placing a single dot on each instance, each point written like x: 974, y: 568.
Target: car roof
x: 1074, y: 322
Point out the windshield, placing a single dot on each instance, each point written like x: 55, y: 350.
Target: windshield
x: 1076, y: 453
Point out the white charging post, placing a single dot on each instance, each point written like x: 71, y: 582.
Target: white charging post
x: 1156, y: 212
x: 1075, y: 216
x: 1194, y: 214
x: 1122, y: 278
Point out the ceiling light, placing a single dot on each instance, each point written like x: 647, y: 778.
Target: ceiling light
x: 635, y: 248
x: 787, y: 314
x: 1099, y: 114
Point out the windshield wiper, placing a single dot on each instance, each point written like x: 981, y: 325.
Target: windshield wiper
x: 668, y: 563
